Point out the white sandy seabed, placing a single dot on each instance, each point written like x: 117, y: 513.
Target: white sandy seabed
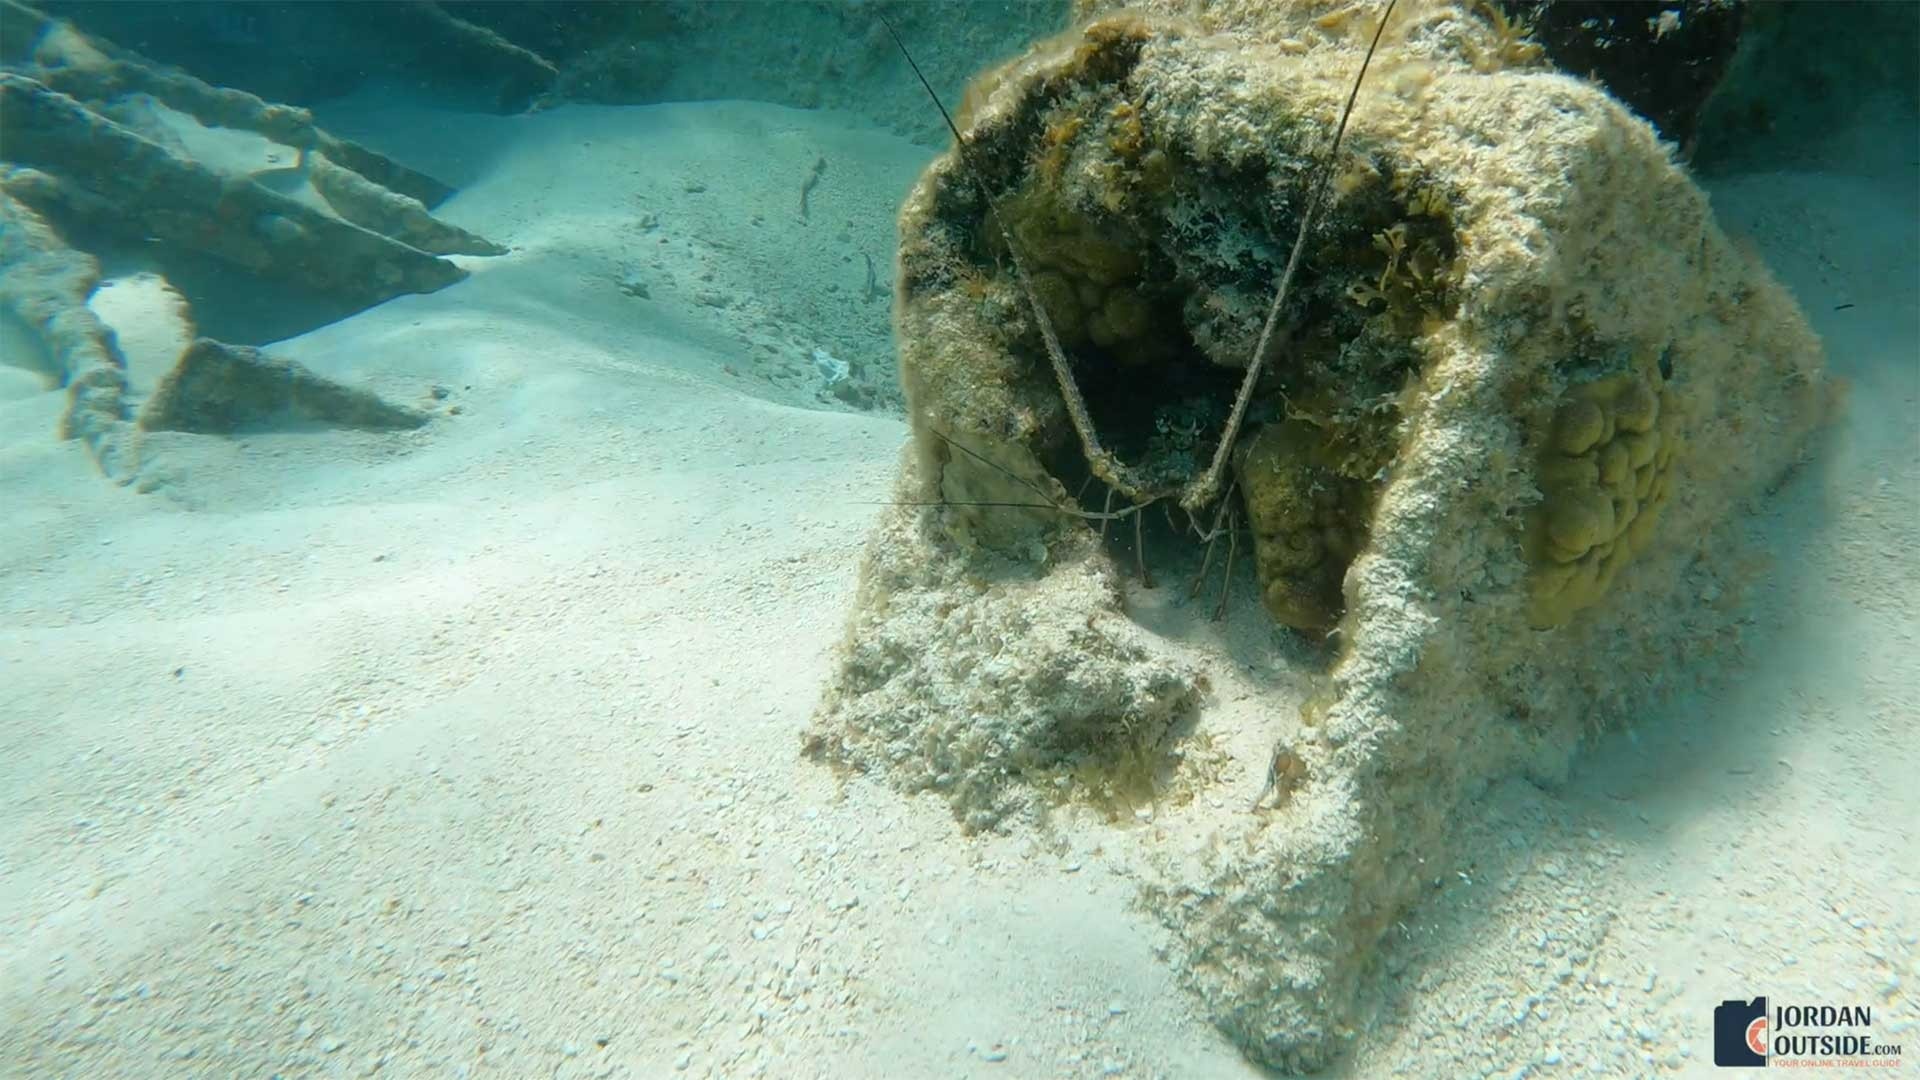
x: 475, y: 751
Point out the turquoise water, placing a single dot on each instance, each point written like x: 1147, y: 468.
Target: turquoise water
x: 439, y: 445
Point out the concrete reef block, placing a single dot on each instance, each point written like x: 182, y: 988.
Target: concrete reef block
x: 389, y: 213
x: 1045, y: 673
x: 44, y: 284
x: 217, y: 389
x: 1523, y: 390
x: 127, y: 182
x: 80, y: 122
x: 92, y: 70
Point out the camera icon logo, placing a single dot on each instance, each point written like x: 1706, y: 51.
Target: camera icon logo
x: 1740, y: 1033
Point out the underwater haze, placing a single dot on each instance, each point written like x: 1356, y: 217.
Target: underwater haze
x: 586, y: 539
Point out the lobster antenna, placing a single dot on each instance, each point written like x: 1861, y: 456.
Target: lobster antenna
x: 1204, y: 487
x: 958, y: 142
x: 1111, y: 470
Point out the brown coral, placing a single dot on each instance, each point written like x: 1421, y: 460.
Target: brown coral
x: 1603, y: 475
x: 1308, y: 522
